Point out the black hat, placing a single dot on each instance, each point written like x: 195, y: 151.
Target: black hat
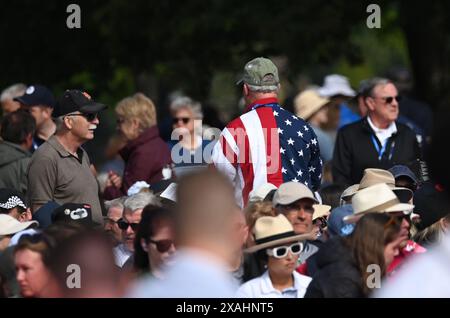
x: 44, y: 214
x: 431, y: 203
x: 403, y: 171
x: 74, y: 212
x: 37, y: 95
x: 76, y: 101
x: 10, y: 198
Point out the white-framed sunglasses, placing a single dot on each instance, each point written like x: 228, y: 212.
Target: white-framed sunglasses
x: 282, y: 251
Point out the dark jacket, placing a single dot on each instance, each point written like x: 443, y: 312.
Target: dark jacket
x: 144, y: 157
x: 337, y: 275
x: 355, y: 151
x: 14, y: 162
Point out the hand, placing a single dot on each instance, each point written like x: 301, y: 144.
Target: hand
x: 114, y: 179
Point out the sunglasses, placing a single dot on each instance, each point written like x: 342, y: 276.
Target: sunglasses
x: 185, y: 120
x: 124, y: 225
x: 282, y: 251
x: 323, y: 222
x: 163, y: 245
x: 390, y: 99
x: 88, y: 116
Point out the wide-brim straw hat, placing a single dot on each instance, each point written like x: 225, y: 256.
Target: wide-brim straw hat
x: 377, y: 198
x: 272, y: 231
x: 320, y: 210
x: 309, y: 102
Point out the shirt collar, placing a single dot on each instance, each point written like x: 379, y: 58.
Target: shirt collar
x: 262, y: 101
x: 53, y: 141
x: 391, y: 129
x: 267, y: 287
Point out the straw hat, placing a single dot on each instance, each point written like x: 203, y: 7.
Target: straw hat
x: 377, y: 198
x: 374, y: 176
x: 273, y: 231
x: 320, y: 210
x: 349, y: 192
x: 308, y: 102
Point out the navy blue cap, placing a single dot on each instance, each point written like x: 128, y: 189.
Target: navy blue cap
x: 44, y: 214
x: 37, y: 95
x: 74, y: 100
x: 403, y: 171
x: 336, y: 224
x: 431, y: 203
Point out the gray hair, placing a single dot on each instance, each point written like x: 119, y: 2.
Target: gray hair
x: 187, y: 102
x: 140, y: 200
x: 367, y: 87
x: 59, y: 122
x: 13, y: 91
x: 115, y: 203
x: 264, y: 89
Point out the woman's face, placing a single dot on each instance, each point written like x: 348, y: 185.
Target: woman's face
x: 128, y: 128
x: 31, y: 273
x: 283, y: 266
x: 184, y: 118
x: 391, y: 250
x: 160, y: 247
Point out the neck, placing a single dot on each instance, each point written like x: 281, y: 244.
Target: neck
x: 236, y: 261
x: 253, y: 97
x: 281, y: 282
x: 314, y: 121
x: 379, y: 123
x: 190, y: 143
x: 46, y: 129
x: 70, y: 143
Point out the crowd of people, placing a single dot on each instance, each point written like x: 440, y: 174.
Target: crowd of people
x: 278, y: 204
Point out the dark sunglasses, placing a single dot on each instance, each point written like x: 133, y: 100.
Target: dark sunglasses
x: 185, y: 120
x: 88, y: 116
x: 163, y: 245
x: 124, y: 225
x: 323, y: 222
x: 390, y: 99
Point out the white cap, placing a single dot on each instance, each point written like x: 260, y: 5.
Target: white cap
x: 10, y: 225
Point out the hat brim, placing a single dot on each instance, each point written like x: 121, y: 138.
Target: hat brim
x: 258, y: 247
x: 403, y: 194
x: 20, y: 227
x: 321, y: 210
x: 400, y: 207
x: 292, y: 201
x: 92, y: 107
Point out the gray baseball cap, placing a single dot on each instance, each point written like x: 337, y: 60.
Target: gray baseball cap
x: 290, y: 192
x: 260, y: 72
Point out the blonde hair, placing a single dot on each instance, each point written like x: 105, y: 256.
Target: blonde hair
x: 255, y: 210
x: 138, y: 107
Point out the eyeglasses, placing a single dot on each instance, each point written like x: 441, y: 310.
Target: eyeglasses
x: 185, y: 120
x: 282, y: 251
x: 390, y: 99
x: 88, y: 116
x: 163, y: 245
x: 124, y: 225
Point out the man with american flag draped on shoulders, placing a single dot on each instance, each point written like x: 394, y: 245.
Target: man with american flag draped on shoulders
x: 267, y: 144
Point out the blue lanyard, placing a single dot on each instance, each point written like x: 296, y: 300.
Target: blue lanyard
x: 381, y: 150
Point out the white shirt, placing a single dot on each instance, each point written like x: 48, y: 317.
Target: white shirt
x: 426, y: 276
x: 192, y: 274
x: 261, y: 287
x: 121, y: 254
x: 383, y: 134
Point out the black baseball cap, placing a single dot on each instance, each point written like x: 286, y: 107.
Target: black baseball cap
x: 11, y: 198
x: 431, y: 203
x: 74, y: 100
x: 37, y: 95
x: 74, y: 212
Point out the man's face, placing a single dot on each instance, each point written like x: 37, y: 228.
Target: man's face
x: 128, y: 234
x: 40, y: 113
x: 383, y: 104
x: 9, y: 106
x: 111, y: 227
x: 83, y: 125
x: 300, y: 215
x: 19, y: 215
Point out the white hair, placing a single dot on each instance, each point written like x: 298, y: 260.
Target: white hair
x: 13, y: 91
x: 264, y: 89
x: 140, y: 200
x: 187, y: 102
x: 115, y: 203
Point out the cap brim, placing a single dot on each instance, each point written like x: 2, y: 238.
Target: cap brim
x: 241, y: 81
x: 20, y: 227
x: 92, y: 107
x: 292, y: 201
x: 403, y: 194
x: 23, y: 100
x: 321, y: 210
x: 299, y: 237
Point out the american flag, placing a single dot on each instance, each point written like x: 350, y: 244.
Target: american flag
x: 268, y: 144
